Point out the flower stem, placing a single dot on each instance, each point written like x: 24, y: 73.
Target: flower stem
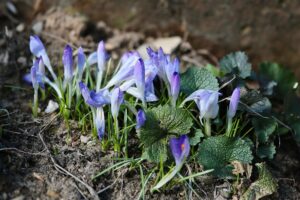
x: 229, y: 127
x: 117, y: 136
x: 69, y: 95
x: 207, y: 127
x: 35, y: 102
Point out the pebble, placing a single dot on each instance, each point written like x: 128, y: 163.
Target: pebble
x: 37, y: 27
x: 51, y: 107
x: 20, y: 27
x: 84, y: 139
x: 169, y: 44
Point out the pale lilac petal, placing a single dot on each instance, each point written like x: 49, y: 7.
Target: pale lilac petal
x: 140, y: 118
x: 100, y: 122
x: 92, y: 59
x: 68, y: 63
x: 234, y: 101
x: 175, y: 87
x: 117, y: 98
x: 101, y: 56
x: 37, y: 48
x: 80, y: 61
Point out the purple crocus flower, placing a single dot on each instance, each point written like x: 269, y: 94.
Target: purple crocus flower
x: 180, y: 148
x: 207, y: 102
x: 234, y: 101
x: 175, y: 87
x: 100, y: 122
x: 101, y: 56
x: 117, y: 98
x: 68, y: 63
x: 37, y: 48
x: 80, y: 61
x: 140, y: 118
x: 37, y: 74
x: 94, y: 99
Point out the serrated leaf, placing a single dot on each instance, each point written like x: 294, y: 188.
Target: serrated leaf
x: 217, y: 152
x: 196, y: 138
x: 264, y: 186
x: 156, y: 152
x: 263, y: 128
x: 198, y: 78
x: 266, y: 151
x: 236, y: 63
x: 162, y: 122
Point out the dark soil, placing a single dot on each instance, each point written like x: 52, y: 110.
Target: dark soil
x: 26, y: 168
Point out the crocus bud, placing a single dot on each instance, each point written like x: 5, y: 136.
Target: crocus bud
x: 139, y: 74
x: 80, y: 61
x: 117, y: 97
x: 101, y: 56
x: 140, y: 118
x: 180, y: 148
x: 175, y: 87
x: 100, y: 122
x: 68, y: 63
x: 234, y: 101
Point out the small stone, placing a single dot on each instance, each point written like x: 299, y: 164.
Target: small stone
x: 22, y: 60
x: 52, y: 194
x: 51, y: 107
x: 21, y: 197
x: 84, y: 139
x: 168, y: 44
x: 37, y: 27
x: 20, y: 27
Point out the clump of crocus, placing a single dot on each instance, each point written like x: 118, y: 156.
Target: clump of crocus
x: 180, y: 148
x: 207, y: 103
x: 234, y: 101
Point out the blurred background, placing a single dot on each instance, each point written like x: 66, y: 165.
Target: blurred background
x: 200, y: 31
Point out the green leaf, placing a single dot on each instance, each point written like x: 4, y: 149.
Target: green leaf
x: 196, y: 138
x: 285, y: 78
x: 256, y: 102
x: 266, y: 151
x: 219, y: 151
x: 264, y: 186
x: 236, y: 63
x: 162, y: 122
x: 156, y: 152
x: 198, y: 78
x: 264, y: 128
